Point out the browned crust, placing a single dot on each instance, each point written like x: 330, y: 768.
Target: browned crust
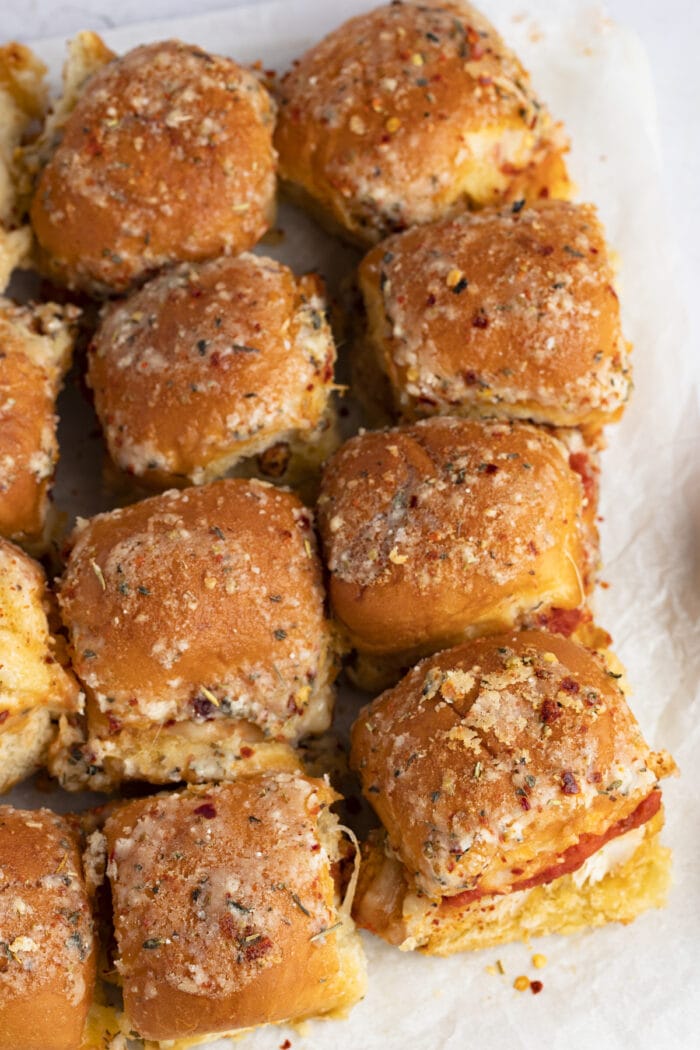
x: 47, y: 952
x: 503, y: 313
x: 166, y: 156
x: 411, y: 112
x: 491, y: 759
x: 201, y: 605
x: 233, y: 935
x: 35, y: 351
x: 209, y: 364
x: 448, y: 527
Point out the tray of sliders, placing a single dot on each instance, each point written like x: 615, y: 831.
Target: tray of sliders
x: 324, y: 490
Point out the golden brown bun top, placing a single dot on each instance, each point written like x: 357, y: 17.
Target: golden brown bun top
x: 30, y: 674
x: 498, y: 755
x: 35, y: 350
x: 434, y: 526
x: 46, y: 933
x: 166, y: 156
x: 209, y: 596
x: 207, y: 357
x: 376, y: 119
x: 501, y: 309
x: 220, y: 895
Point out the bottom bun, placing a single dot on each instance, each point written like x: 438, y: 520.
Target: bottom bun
x: 163, y: 754
x: 625, y: 878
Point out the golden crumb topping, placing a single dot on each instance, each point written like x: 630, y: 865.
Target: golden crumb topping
x: 433, y: 528
x: 500, y: 312
x: 198, y: 605
x: 488, y: 761
x: 46, y: 928
x: 434, y: 519
x: 209, y: 363
x: 213, y: 887
x: 162, y: 136
x: 407, y: 111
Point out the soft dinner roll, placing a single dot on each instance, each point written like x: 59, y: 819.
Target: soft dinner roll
x: 197, y: 627
x: 448, y: 528
x: 510, y: 776
x: 22, y: 101
x: 502, y: 313
x: 34, y: 688
x: 409, y: 113
x: 36, y: 344
x: 47, y: 952
x: 227, y: 911
x: 166, y: 156
x: 209, y: 365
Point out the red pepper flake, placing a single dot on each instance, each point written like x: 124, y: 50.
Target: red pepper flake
x: 568, y: 783
x: 247, y: 752
x: 476, y: 46
x: 255, y: 949
x: 536, y: 987
x: 561, y: 621
x: 480, y: 320
x: 550, y: 711
x: 114, y: 724
x: 227, y: 924
x: 285, y: 1045
x: 4, y: 715
x: 206, y: 810
x: 569, y: 685
x: 327, y: 373
x: 581, y: 463
x: 524, y: 802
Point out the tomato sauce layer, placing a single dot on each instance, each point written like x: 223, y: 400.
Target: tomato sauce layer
x: 574, y: 856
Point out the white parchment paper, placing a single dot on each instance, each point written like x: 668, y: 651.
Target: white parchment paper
x: 617, y: 987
